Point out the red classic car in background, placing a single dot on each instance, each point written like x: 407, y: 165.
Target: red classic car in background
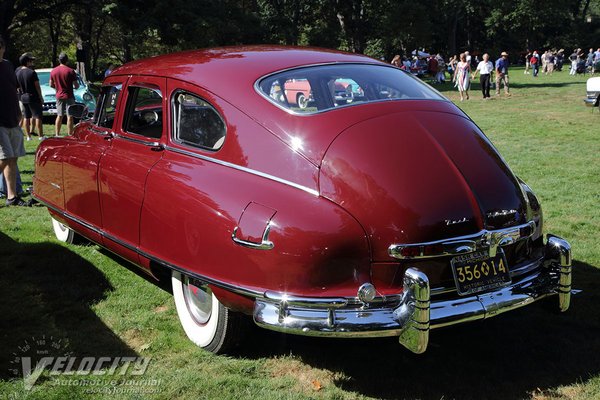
x: 321, y: 193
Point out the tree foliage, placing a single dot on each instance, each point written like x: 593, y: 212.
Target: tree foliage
x: 122, y: 30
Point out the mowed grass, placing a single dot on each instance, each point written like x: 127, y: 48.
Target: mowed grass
x: 83, y: 296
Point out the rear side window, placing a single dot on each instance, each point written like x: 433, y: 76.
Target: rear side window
x: 107, y: 106
x: 144, y: 112
x: 196, y: 122
x: 320, y: 88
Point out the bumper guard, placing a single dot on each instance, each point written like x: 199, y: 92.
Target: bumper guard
x: 412, y: 314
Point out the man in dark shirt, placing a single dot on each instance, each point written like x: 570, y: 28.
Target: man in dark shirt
x: 31, y: 95
x: 63, y: 79
x: 11, y: 136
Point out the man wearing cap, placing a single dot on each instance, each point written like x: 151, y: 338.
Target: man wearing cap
x: 64, y: 80
x: 31, y: 95
x: 502, y: 73
x: 11, y: 136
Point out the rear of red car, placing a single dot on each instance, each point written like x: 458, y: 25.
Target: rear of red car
x: 454, y: 236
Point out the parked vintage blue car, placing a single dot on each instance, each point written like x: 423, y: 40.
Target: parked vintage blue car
x: 82, y: 94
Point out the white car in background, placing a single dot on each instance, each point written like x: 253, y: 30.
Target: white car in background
x: 593, y: 92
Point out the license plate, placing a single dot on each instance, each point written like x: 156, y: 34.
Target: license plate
x: 477, y: 272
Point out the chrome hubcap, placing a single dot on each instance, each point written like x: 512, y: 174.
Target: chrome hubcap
x: 198, y: 298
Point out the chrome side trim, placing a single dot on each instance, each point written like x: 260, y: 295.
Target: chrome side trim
x: 203, y: 279
x: 244, y: 169
x: 484, y: 239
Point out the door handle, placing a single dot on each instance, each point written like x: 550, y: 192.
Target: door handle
x: 157, y: 146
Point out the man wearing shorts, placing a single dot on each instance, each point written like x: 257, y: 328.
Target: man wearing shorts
x: 11, y: 136
x: 63, y: 79
x: 31, y: 95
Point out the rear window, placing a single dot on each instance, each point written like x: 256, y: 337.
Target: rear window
x: 320, y: 88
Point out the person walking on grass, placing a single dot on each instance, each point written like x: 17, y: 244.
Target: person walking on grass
x: 31, y: 96
x: 64, y: 80
x: 485, y: 68
x: 527, y: 62
x: 535, y: 63
x: 502, y: 73
x: 462, y: 73
x: 11, y: 135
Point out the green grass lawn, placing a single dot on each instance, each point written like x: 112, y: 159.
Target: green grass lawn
x: 89, y: 304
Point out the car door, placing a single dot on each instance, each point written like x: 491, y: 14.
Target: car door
x: 81, y: 159
x: 137, y: 145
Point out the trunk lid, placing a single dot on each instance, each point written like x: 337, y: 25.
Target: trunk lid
x: 420, y: 176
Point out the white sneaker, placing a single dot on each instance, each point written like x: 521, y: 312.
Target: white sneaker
x: 28, y: 138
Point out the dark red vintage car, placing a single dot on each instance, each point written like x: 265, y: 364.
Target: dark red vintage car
x: 387, y: 215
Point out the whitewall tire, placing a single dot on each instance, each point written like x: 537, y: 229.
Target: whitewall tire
x: 205, y: 320
x: 64, y: 233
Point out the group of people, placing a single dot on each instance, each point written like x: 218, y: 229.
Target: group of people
x: 549, y: 61
x: 582, y: 63
x: 552, y: 60
x: 422, y: 64
x: 21, y: 106
x: 462, y: 74
x: 460, y: 68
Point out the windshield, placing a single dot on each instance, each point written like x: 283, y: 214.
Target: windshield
x: 320, y: 88
x: 44, y: 77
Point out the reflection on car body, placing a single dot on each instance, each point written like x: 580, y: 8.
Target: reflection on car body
x: 371, y: 207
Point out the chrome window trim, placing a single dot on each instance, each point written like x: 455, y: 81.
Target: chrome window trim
x: 258, y: 90
x: 243, y: 169
x: 173, y: 122
x: 128, y: 104
x: 136, y: 140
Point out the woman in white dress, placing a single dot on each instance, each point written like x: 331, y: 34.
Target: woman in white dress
x: 462, y: 77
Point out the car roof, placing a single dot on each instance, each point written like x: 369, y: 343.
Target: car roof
x: 239, y: 65
x: 231, y: 73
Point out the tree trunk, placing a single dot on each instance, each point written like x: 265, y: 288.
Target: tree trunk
x: 452, y: 34
x: 54, y: 29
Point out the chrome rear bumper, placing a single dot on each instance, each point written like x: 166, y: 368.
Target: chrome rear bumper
x: 592, y: 99
x: 411, y: 315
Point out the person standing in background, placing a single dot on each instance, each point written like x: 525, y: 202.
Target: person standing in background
x: 502, y: 73
x: 63, y: 79
x: 535, y: 63
x: 11, y: 135
x: 111, y: 67
x: 31, y: 95
x: 527, y: 62
x: 550, y: 60
x: 462, y: 73
x: 485, y: 68
x: 574, y: 57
